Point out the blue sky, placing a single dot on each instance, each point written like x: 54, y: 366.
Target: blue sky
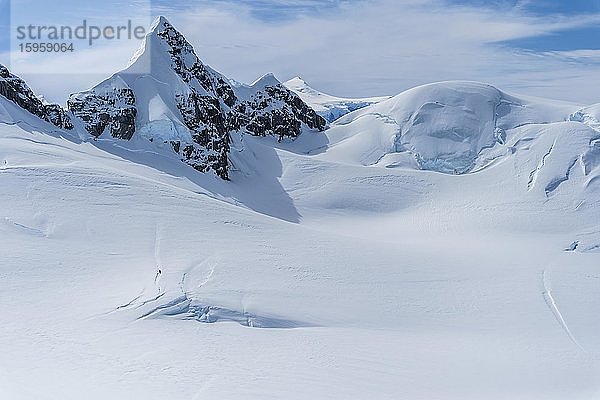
x: 270, y: 11
x: 539, y: 7
x: 374, y: 47
x: 4, y: 24
x: 585, y: 37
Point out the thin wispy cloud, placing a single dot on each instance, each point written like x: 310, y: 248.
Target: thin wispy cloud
x: 376, y: 47
x: 384, y: 47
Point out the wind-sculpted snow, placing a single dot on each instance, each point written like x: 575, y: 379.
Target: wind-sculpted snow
x: 591, y: 158
x: 187, y: 309
x: 587, y: 242
x: 589, y: 116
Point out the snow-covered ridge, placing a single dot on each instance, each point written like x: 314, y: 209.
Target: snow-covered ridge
x: 450, y: 127
x: 329, y: 107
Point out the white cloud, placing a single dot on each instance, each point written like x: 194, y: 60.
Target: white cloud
x: 379, y: 47
x: 581, y: 56
x: 80, y: 68
x: 385, y: 46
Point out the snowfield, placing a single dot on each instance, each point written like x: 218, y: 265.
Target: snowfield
x: 442, y: 244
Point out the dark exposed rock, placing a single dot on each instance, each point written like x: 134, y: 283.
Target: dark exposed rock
x: 16, y: 90
x: 205, y: 120
x: 275, y: 111
x: 298, y: 108
x: 113, y: 109
x: 57, y: 115
x: 179, y: 48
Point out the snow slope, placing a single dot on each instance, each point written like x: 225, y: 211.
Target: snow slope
x: 329, y: 107
x: 126, y: 273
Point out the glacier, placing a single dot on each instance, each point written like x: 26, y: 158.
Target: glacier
x: 443, y: 243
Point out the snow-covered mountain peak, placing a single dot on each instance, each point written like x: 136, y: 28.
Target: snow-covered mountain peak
x: 168, y: 57
x: 160, y: 23
x: 168, y: 96
x: 264, y: 81
x: 300, y: 85
x: 329, y: 107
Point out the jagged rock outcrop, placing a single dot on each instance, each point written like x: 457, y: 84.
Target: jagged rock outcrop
x: 170, y: 97
x: 205, y: 119
x: 275, y: 110
x: 181, y: 52
x: 113, y: 111
x: 16, y: 90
